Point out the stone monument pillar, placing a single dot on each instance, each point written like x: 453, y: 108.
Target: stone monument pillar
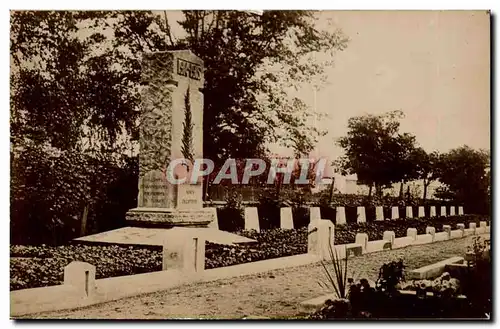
x: 171, y: 130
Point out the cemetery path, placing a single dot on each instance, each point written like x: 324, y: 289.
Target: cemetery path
x: 275, y: 294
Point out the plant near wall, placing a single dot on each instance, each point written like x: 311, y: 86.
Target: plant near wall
x: 336, y: 273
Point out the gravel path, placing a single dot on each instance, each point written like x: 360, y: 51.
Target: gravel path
x: 273, y: 294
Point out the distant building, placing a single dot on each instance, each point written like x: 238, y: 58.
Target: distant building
x: 349, y: 185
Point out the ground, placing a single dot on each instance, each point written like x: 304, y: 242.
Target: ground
x: 274, y: 294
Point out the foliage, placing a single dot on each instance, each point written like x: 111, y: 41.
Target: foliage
x: 427, y: 167
x: 478, y: 284
x: 36, y: 266
x: 375, y: 150
x: 230, y: 217
x: 381, y: 302
x: 390, y: 274
x: 50, y: 189
x: 465, y: 172
x: 443, y: 286
x: 337, y: 275
x: 75, y: 89
x: 187, y: 133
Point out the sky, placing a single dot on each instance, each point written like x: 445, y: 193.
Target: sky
x: 432, y: 65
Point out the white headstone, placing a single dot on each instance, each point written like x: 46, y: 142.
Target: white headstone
x: 460, y: 210
x: 461, y: 226
x: 412, y: 232
x: 185, y: 254
x: 433, y: 211
x: 472, y: 226
x: 361, y: 215
x: 482, y: 224
x: 409, y: 212
x: 443, y: 211
x: 421, y: 211
x: 362, y: 239
x: 431, y: 231
x: 379, y: 213
x: 321, y: 237
x: 252, y: 219
x: 81, y: 276
x: 340, y: 216
x: 286, y: 218
x: 395, y: 213
x: 215, y: 223
x: 447, y: 229
x: 314, y: 214
x: 389, y: 236
x: 452, y: 211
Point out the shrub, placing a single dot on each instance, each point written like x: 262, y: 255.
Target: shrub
x: 230, y: 217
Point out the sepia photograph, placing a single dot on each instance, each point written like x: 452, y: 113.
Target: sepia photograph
x: 262, y: 165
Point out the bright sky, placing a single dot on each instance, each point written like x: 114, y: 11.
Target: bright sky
x: 432, y: 65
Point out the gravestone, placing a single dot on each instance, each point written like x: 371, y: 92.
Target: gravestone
x: 443, y: 210
x: 395, y: 213
x: 421, y: 211
x: 252, y: 219
x: 409, y: 212
x: 452, y: 211
x: 460, y: 210
x: 361, y: 214
x: 185, y: 255
x: 389, y: 236
x: 361, y: 239
x: 433, y: 211
x: 286, y: 218
x: 411, y: 232
x: 379, y: 213
x: 81, y: 276
x: 340, y: 216
x: 314, y: 214
x: 321, y: 238
x: 447, y: 229
x: 430, y: 230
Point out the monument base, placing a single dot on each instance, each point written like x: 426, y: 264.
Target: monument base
x: 168, y: 217
x: 143, y: 236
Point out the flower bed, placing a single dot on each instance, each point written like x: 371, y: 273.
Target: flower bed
x: 38, y: 266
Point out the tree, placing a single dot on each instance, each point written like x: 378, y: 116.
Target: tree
x: 465, y: 172
x: 75, y: 80
x: 427, y: 167
x: 187, y: 134
x: 375, y: 151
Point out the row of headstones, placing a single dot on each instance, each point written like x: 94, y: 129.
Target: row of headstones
x: 187, y: 256
x: 286, y: 217
x: 321, y: 239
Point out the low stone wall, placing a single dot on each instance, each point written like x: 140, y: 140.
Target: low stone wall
x: 184, y: 264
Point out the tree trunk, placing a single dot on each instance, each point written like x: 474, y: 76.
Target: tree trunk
x: 370, y: 191
x: 83, y: 227
x: 426, y: 184
x: 331, y: 189
x: 401, y: 187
